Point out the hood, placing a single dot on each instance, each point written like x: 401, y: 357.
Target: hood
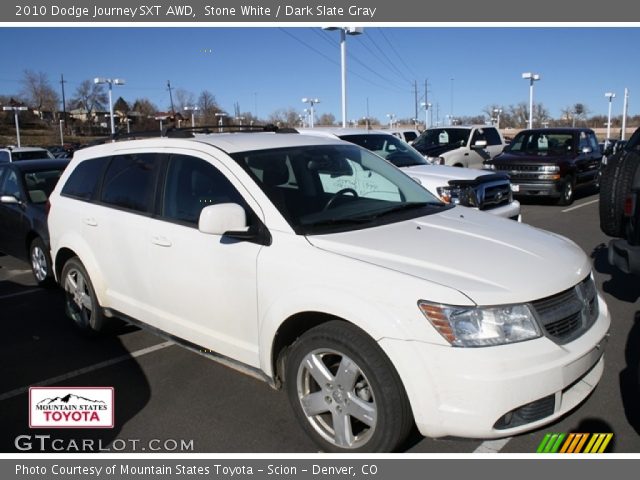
x: 489, y: 259
x: 444, y: 173
x: 435, y: 150
x: 528, y: 159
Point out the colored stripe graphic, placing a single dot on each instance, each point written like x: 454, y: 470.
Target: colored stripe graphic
x: 574, y: 443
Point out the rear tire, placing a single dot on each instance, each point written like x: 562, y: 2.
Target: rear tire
x: 345, y: 391
x: 41, y: 263
x: 81, y: 303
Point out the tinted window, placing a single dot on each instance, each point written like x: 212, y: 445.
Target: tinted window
x: 31, y: 155
x: 492, y: 136
x: 388, y: 147
x: 83, y: 181
x: 10, y: 185
x: 40, y: 184
x: 193, y: 184
x: 4, y: 156
x: 130, y: 180
x: 410, y: 136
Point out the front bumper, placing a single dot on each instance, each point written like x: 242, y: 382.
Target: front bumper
x: 540, y: 189
x: 511, y: 210
x: 624, y: 256
x: 485, y: 392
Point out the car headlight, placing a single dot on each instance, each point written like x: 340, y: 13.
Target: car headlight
x: 481, y: 326
x: 488, y: 166
x: 458, y: 195
x: 549, y: 168
x: 435, y: 160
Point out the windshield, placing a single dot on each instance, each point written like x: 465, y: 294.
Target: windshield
x: 31, y: 155
x: 391, y: 148
x: 322, y: 189
x: 435, y: 137
x: 40, y: 184
x: 543, y: 143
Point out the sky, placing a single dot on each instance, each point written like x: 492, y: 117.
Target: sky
x: 264, y: 69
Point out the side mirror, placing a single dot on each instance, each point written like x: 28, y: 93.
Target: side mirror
x: 479, y: 145
x: 587, y: 149
x: 9, y: 199
x: 223, y: 219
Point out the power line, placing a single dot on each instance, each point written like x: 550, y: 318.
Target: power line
x: 389, y: 61
x: 397, y: 54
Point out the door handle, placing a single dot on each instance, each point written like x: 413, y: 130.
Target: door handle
x: 161, y: 241
x: 90, y: 222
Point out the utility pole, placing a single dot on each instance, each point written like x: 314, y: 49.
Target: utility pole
x: 415, y: 97
x: 64, y: 103
x: 170, y: 96
x: 625, y: 106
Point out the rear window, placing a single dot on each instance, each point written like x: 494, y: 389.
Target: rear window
x: 31, y: 155
x: 83, y: 181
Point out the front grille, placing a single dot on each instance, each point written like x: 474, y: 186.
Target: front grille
x: 517, y: 168
x: 567, y: 315
x: 528, y: 413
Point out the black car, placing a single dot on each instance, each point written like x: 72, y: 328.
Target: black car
x: 24, y: 190
x: 551, y: 162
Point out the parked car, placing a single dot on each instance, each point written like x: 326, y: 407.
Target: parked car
x: 619, y: 210
x: 24, y: 190
x: 409, y: 135
x: 12, y: 154
x: 460, y: 146
x: 551, y: 162
x: 357, y: 294
x: 467, y: 187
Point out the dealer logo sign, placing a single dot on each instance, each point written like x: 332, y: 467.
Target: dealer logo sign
x: 71, y: 407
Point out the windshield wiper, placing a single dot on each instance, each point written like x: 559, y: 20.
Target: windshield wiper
x: 401, y: 208
x: 337, y: 221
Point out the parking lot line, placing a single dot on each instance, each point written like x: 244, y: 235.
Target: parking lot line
x: 492, y: 446
x: 24, y: 292
x: 90, y: 368
x: 581, y: 205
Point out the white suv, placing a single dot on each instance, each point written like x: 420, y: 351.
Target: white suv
x: 360, y: 296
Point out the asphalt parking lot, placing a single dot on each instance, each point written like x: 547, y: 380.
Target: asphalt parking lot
x: 169, y: 394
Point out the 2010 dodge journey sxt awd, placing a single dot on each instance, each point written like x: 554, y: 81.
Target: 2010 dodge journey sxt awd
x: 326, y: 271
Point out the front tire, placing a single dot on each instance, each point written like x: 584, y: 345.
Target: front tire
x: 81, y: 303
x: 567, y: 193
x: 345, y: 392
x: 40, y: 263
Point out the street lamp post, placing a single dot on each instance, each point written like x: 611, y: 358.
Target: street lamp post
x: 344, y: 31
x: 610, y: 96
x: 240, y: 119
x: 311, y: 102
x: 110, y: 82
x: 391, y: 117
x: 532, y: 77
x: 498, y: 112
x: 220, y: 116
x: 15, y: 118
x: 426, y: 107
x: 193, y: 111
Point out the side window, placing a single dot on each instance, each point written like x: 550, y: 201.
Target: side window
x: 478, y: 135
x: 130, y: 181
x: 593, y: 143
x: 83, y: 181
x: 192, y: 184
x: 10, y: 185
x: 4, y: 156
x: 492, y: 136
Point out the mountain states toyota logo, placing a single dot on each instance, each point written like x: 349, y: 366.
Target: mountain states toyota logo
x: 71, y: 407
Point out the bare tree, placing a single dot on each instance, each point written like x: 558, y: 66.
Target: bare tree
x: 183, y: 98
x: 580, y: 112
x: 91, y: 97
x: 38, y: 92
x: 208, y: 107
x: 327, y: 119
x: 285, y: 117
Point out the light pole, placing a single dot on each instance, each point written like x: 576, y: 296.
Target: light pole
x: 451, y: 112
x: 111, y: 82
x: 610, y: 96
x: 240, y: 119
x: 624, y: 113
x: 532, y: 77
x: 391, y: 117
x: 498, y: 112
x: 344, y: 31
x: 15, y: 117
x: 61, y: 134
x: 426, y: 106
x: 311, y: 102
x: 220, y: 116
x: 193, y: 111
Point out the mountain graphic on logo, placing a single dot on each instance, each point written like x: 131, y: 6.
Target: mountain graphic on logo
x: 68, y: 399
